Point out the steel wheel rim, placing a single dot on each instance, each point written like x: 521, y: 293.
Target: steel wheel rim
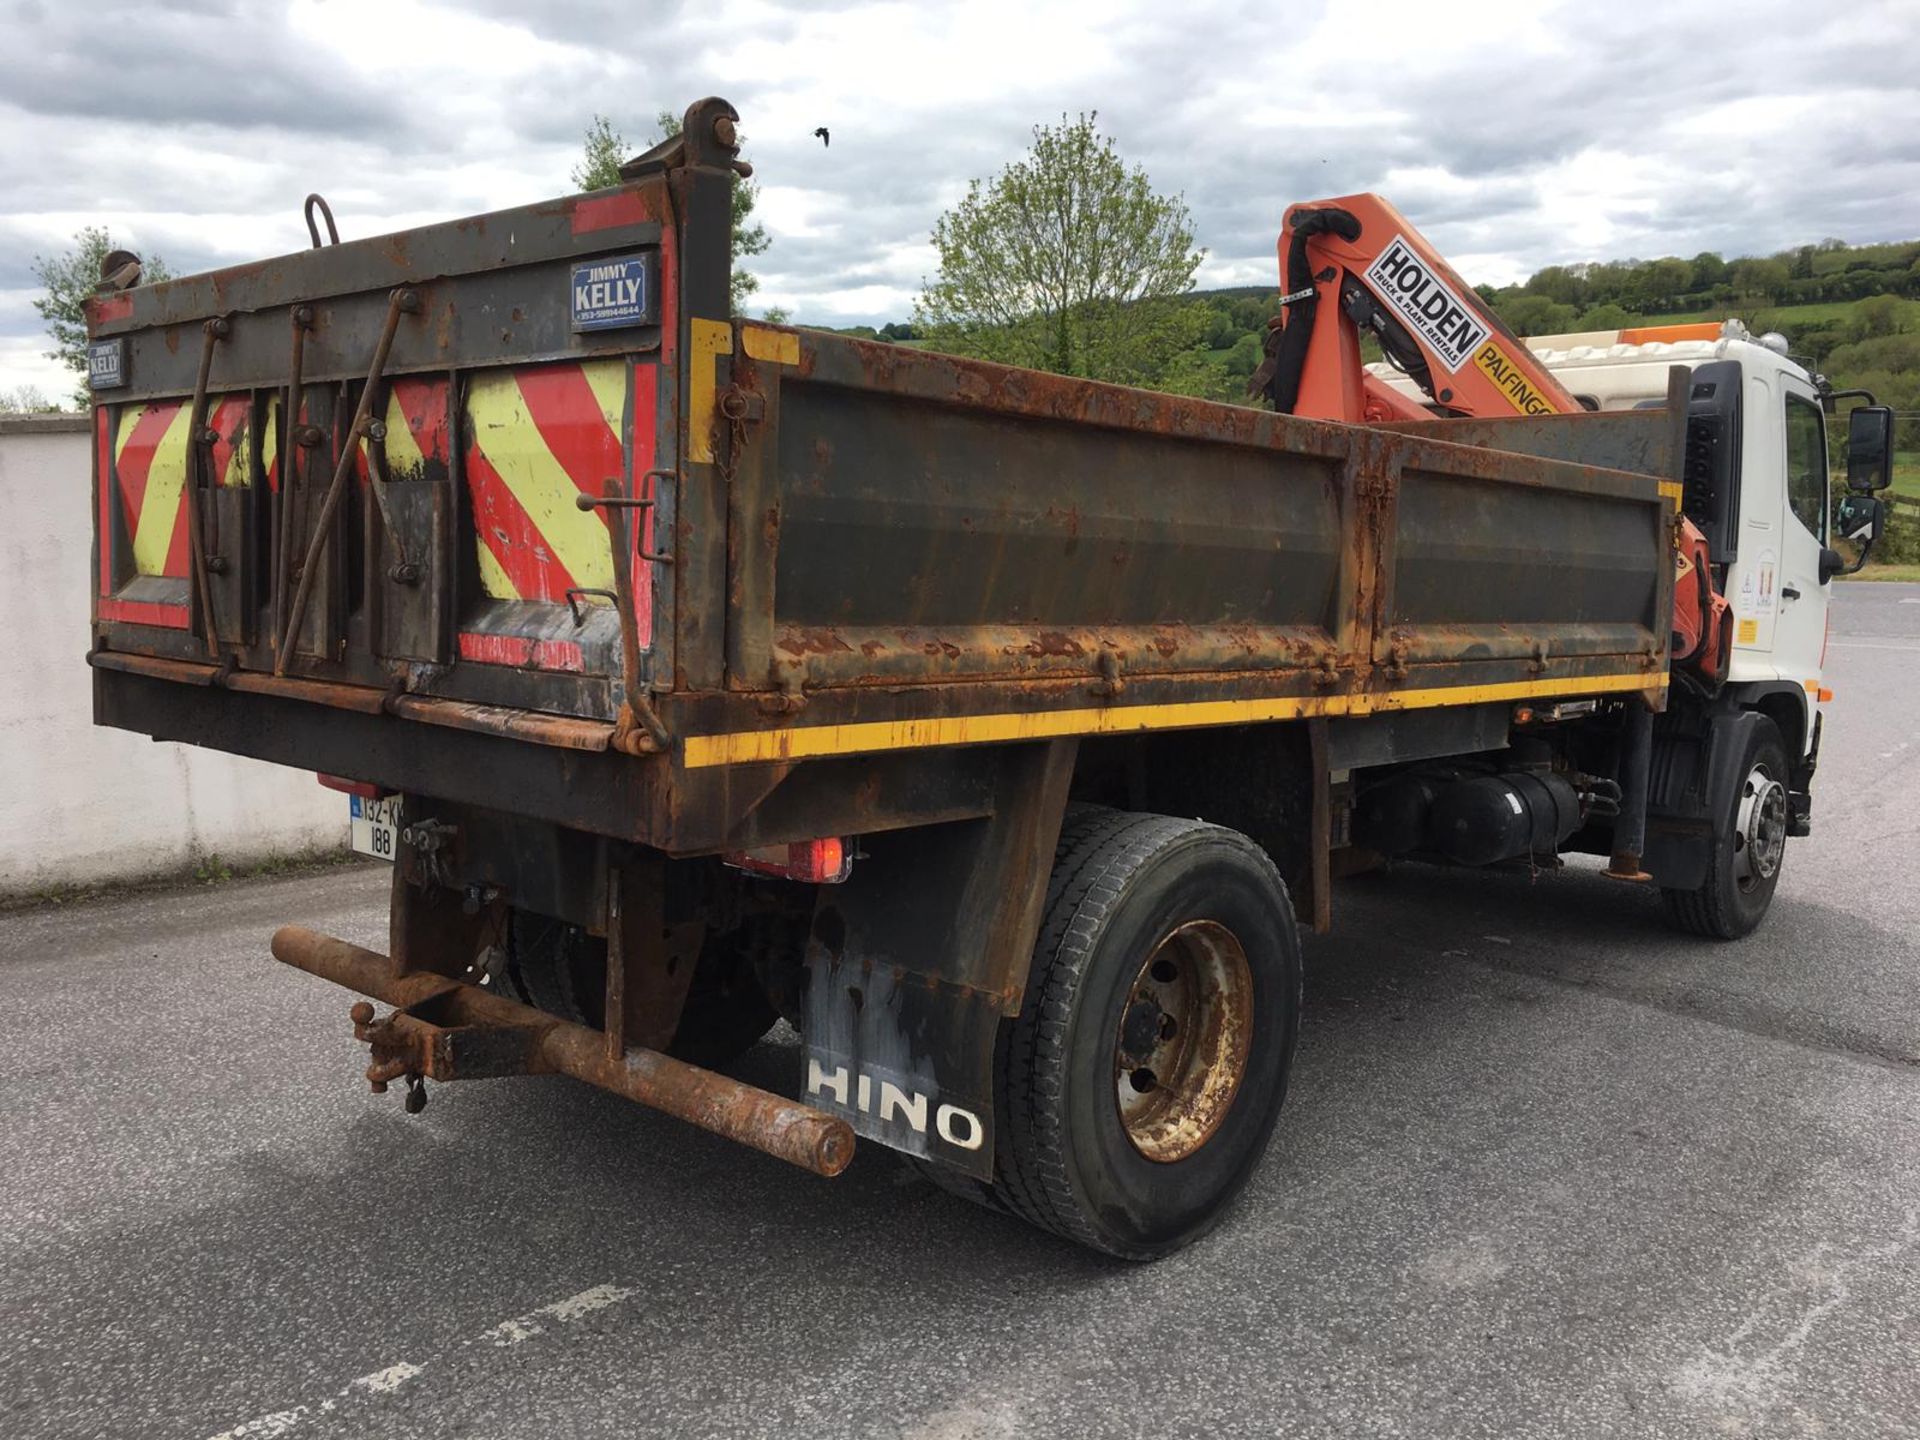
x: 1180, y: 1047
x: 1759, y: 829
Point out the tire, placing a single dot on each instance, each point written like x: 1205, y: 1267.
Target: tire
x: 1743, y: 867
x: 561, y: 969
x: 1131, y: 895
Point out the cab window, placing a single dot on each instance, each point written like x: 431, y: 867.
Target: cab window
x: 1807, y: 465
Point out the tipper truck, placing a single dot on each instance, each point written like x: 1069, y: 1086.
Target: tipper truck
x: 1000, y: 731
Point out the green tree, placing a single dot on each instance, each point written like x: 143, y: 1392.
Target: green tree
x: 1758, y: 279
x: 1659, y: 284
x: 1557, y: 283
x: 1535, y: 315
x: 26, y: 400
x: 69, y: 279
x: 606, y: 149
x: 1606, y: 317
x: 1876, y: 316
x: 1067, y: 260
x: 1708, y: 270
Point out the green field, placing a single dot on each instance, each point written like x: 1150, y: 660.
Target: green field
x: 1771, y: 317
x: 1906, y: 472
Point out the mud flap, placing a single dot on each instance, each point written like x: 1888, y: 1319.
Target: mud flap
x: 906, y: 1059
x: 913, y: 963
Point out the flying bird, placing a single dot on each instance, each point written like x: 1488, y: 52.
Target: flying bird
x: 822, y: 133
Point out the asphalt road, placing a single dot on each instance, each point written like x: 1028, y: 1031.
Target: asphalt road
x: 1547, y: 1169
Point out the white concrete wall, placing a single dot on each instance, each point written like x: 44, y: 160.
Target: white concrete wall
x: 80, y: 805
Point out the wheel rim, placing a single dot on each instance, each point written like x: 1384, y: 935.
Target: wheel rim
x: 1759, y: 829
x: 1180, y: 1048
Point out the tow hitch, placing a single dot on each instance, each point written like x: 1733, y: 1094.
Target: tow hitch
x: 443, y: 1029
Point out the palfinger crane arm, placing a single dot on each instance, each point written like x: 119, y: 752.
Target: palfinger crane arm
x: 1355, y: 264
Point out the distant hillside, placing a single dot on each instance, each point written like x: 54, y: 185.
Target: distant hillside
x: 1851, y: 310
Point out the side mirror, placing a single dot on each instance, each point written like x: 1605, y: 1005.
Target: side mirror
x: 1870, y: 448
x: 1860, y: 519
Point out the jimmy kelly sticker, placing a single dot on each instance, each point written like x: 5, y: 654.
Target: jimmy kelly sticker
x: 613, y: 292
x: 107, y: 363
x: 1427, y: 303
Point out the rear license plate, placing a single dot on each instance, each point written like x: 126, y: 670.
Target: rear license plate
x: 373, y: 826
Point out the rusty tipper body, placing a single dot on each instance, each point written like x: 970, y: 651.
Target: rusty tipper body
x: 700, y: 671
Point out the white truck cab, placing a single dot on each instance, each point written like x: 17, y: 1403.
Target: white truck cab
x: 1773, y: 578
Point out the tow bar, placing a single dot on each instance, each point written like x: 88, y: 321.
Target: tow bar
x: 444, y: 1029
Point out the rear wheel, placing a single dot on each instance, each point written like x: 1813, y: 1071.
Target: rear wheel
x: 1141, y: 1080
x: 1743, y: 868
x: 560, y: 968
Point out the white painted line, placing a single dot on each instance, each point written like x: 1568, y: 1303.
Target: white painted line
x: 585, y: 1303
x: 385, y: 1382
x: 1749, y: 1373
x: 525, y: 1327
x: 390, y: 1378
x: 1873, y: 645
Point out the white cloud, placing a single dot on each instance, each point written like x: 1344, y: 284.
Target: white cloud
x: 1515, y: 138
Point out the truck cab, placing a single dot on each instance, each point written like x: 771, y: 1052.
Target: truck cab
x: 1769, y: 558
x: 1774, y: 575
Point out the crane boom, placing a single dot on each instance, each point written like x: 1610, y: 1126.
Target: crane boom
x: 1379, y: 275
x: 1375, y: 273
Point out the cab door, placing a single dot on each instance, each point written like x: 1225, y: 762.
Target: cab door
x: 1800, y: 630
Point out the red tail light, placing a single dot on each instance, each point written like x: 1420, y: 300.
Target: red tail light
x: 816, y: 862
x: 365, y: 789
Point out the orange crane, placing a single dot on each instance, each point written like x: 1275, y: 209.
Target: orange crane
x: 1374, y: 273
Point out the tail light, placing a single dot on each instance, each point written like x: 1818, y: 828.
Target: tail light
x: 816, y: 862
x: 365, y: 789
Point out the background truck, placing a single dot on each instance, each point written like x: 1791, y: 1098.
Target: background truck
x: 996, y: 729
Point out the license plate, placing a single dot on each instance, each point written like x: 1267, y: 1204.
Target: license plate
x: 373, y: 826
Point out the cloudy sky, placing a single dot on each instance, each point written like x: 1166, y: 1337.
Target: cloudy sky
x: 1515, y: 135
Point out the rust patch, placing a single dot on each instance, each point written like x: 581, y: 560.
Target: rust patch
x: 1053, y: 642
x: 813, y: 640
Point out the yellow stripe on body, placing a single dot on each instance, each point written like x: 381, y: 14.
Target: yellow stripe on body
x: 403, y: 451
x: 506, y: 434
x: 239, y: 471
x: 129, y: 417
x: 811, y: 741
x: 494, y: 582
x: 269, y: 443
x: 608, y: 381
x: 1672, y: 490
x: 776, y: 347
x: 160, y: 503
x: 711, y: 340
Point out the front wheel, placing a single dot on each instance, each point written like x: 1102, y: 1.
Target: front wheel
x: 1141, y: 1080
x: 1743, y: 868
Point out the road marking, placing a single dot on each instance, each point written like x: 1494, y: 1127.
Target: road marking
x: 1873, y: 645
x: 525, y: 1327
x: 391, y: 1378
x: 385, y: 1382
x: 1747, y: 1374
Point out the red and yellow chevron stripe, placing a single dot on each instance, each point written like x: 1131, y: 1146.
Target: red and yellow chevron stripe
x: 150, y: 472
x: 416, y: 421
x: 538, y: 437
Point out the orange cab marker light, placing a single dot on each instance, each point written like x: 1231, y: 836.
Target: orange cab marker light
x: 1825, y: 694
x: 1670, y: 334
x: 814, y: 862
x: 365, y: 789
